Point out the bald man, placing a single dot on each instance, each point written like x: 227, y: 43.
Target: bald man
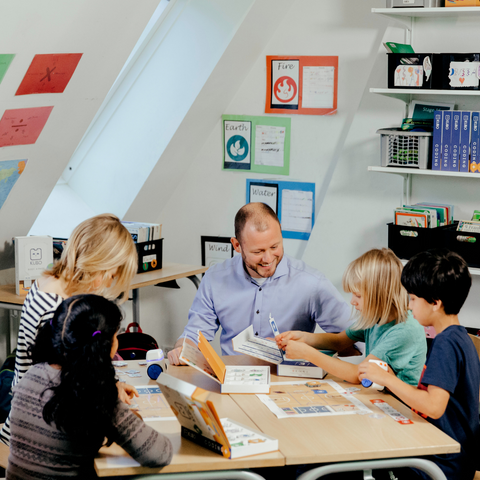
x: 247, y: 288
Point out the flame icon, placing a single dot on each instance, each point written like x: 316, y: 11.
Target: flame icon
x: 236, y: 150
x: 285, y: 89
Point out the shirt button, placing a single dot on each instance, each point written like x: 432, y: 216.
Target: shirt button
x: 256, y: 333
x: 258, y: 311
x: 260, y: 289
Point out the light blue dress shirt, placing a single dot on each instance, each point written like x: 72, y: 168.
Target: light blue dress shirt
x: 297, y: 296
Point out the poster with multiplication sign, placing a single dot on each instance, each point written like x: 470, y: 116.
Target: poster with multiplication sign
x: 256, y: 144
x: 305, y: 85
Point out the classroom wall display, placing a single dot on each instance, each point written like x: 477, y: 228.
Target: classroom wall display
x: 49, y: 73
x: 23, y: 126
x: 256, y: 144
x: 304, y: 85
x: 5, y: 61
x: 215, y: 250
x: 10, y: 171
x: 295, y: 204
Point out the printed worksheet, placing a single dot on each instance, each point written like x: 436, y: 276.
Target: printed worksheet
x: 269, y: 145
x: 313, y: 398
x: 151, y: 404
x: 297, y: 210
x: 318, y: 87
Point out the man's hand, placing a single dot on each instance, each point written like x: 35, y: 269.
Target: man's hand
x: 285, y: 337
x: 174, y: 356
x: 126, y: 392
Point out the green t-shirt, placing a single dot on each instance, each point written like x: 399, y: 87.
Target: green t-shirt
x: 403, y: 346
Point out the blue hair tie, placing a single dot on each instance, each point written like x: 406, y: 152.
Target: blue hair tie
x: 95, y: 333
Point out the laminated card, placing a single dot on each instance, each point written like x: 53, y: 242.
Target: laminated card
x: 232, y: 378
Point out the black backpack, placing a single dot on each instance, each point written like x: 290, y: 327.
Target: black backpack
x: 135, y: 345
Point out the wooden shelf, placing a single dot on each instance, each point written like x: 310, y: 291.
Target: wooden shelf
x: 417, y: 171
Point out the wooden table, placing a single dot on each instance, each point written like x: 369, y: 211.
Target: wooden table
x: 340, y: 438
x: 187, y: 457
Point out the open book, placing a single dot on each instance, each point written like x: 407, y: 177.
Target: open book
x: 201, y: 424
x: 232, y: 378
x: 248, y: 343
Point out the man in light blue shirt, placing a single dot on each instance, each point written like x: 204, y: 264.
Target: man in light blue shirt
x: 247, y: 288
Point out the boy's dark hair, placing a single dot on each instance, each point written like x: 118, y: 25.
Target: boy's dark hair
x: 79, y: 340
x: 438, y: 274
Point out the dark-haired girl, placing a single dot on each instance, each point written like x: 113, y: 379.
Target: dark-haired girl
x: 67, y: 403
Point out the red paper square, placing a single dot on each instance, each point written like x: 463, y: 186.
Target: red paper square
x: 22, y: 126
x: 49, y: 73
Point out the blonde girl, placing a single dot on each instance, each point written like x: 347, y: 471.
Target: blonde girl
x: 100, y: 258
x: 389, y: 331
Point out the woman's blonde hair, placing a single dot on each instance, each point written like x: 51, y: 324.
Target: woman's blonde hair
x: 97, y: 246
x: 376, y: 277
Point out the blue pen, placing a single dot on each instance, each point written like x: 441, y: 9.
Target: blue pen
x: 274, y: 328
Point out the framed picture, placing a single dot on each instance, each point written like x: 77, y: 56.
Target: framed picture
x: 216, y: 250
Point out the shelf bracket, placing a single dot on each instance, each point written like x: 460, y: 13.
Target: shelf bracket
x: 407, y: 188
x: 405, y: 22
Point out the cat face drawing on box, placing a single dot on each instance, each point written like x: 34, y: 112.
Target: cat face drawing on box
x: 35, y: 254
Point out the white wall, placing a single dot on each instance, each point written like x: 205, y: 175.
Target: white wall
x: 206, y: 198
x: 31, y: 27
x: 358, y: 203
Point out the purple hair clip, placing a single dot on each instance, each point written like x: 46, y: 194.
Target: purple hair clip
x: 95, y: 333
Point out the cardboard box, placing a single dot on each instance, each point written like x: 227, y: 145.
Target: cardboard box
x: 300, y: 368
x: 232, y: 378
x: 462, y: 3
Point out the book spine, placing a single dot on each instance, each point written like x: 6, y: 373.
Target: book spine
x: 455, y: 144
x: 203, y: 441
x: 465, y: 142
x: 437, y: 139
x: 446, y: 140
x: 475, y: 140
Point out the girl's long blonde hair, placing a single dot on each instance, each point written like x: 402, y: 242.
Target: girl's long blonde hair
x: 97, y: 246
x: 376, y: 277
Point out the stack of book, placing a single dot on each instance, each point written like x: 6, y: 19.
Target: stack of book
x: 144, y: 232
x: 424, y: 215
x: 456, y: 138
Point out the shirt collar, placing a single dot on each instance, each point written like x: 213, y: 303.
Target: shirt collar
x: 280, y: 271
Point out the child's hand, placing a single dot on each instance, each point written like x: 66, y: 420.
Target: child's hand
x: 285, y: 337
x: 297, y: 350
x: 373, y: 372
x: 126, y: 392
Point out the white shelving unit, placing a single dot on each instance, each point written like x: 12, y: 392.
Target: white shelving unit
x: 406, y: 17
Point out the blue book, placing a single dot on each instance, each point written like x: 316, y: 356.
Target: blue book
x: 455, y: 143
x: 446, y: 140
x: 437, y: 139
x: 475, y: 141
x: 465, y: 142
